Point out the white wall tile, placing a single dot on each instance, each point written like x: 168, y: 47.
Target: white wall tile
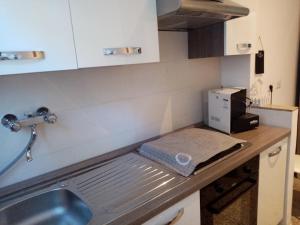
x: 103, y: 109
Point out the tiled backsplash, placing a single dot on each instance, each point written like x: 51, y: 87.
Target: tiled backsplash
x: 102, y: 109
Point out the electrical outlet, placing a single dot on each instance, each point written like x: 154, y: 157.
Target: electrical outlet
x: 278, y: 84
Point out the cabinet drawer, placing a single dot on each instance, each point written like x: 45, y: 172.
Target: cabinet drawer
x: 272, y: 171
x: 186, y: 211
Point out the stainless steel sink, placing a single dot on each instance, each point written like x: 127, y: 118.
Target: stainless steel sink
x: 56, y: 207
x: 93, y: 196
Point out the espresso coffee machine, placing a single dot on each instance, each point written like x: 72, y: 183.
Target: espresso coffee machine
x: 227, y: 110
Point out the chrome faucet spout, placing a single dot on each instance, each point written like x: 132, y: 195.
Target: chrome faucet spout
x: 31, y: 143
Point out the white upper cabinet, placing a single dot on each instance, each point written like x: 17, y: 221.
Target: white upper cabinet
x: 240, y: 33
x: 35, y: 36
x: 115, y: 32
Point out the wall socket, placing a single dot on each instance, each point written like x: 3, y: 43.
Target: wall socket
x: 260, y: 101
x: 278, y: 84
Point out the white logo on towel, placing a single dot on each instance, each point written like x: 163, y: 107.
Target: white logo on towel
x: 183, y: 158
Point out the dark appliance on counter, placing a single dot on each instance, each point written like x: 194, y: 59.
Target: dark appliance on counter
x: 227, y: 110
x: 232, y: 199
x: 248, y: 121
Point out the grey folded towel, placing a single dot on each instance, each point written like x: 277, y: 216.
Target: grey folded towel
x: 184, y: 150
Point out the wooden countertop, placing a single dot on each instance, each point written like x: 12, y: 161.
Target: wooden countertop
x: 260, y: 139
x: 278, y: 107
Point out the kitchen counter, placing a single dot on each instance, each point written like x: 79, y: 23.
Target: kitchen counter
x: 260, y: 139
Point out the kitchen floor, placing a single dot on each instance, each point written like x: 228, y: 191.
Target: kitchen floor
x: 296, y: 203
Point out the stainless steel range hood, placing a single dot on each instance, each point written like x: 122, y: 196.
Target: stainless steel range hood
x: 182, y: 15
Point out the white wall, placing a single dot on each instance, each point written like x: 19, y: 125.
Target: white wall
x: 278, y: 25
x: 103, y: 109
x: 235, y: 71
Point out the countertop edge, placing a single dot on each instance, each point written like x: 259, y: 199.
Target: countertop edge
x: 277, y: 107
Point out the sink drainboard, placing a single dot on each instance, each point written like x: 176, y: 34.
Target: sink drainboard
x: 126, y: 183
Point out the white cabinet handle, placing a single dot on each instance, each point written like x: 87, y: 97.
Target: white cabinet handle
x: 122, y: 51
x: 5, y: 56
x: 244, y: 46
x: 176, y: 218
x: 272, y: 154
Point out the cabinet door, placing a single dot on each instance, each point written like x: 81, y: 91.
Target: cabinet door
x: 240, y: 35
x: 241, y: 32
x: 271, y: 189
x: 140, y: 29
x: 185, y: 212
x: 96, y: 25
x: 102, y: 27
x: 34, y: 25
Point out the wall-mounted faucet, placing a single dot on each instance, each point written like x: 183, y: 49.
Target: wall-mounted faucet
x: 10, y: 121
x: 42, y: 115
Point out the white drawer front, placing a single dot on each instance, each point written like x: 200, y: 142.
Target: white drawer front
x: 272, y: 171
x: 191, y: 212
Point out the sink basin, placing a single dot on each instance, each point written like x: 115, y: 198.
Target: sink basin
x: 56, y: 207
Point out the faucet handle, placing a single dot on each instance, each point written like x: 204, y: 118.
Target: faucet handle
x: 50, y: 118
x: 11, y: 121
x: 9, y: 118
x: 42, y: 111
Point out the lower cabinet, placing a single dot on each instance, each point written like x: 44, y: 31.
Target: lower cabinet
x: 185, y: 212
x: 272, y: 169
